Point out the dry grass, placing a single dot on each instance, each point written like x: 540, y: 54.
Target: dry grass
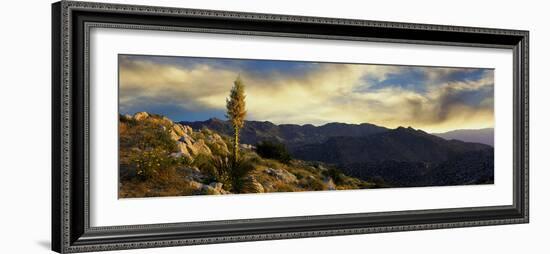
x: 167, y: 183
x: 144, y: 137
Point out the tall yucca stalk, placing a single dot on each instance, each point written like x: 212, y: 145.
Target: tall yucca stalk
x: 236, y: 112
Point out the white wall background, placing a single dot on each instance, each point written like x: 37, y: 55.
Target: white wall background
x: 25, y: 126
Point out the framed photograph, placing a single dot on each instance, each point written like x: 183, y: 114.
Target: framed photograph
x: 181, y: 126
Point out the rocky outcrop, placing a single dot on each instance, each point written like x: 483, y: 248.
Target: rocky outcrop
x: 197, y: 174
x: 216, y: 142
x: 141, y: 116
x: 189, y: 143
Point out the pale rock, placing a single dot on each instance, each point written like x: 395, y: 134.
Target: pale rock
x: 195, y: 185
x: 176, y: 155
x: 174, y: 136
x: 186, y: 139
x: 199, y: 147
x: 214, y: 188
x: 282, y: 175
x: 167, y: 120
x: 187, y: 129
x: 216, y: 141
x: 214, y: 138
x: 141, y: 116
x: 247, y: 146
x: 178, y: 130
x: 182, y: 148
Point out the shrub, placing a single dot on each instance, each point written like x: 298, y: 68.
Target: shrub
x: 239, y: 172
x: 219, y: 168
x: 312, y: 184
x: 273, y: 150
x: 150, y: 163
x: 335, y: 174
x: 283, y: 187
x: 233, y: 175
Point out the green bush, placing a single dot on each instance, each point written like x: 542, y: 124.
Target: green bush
x: 273, y: 150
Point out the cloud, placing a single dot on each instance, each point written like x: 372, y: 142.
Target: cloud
x: 429, y: 98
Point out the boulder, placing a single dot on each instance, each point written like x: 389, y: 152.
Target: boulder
x: 199, y: 147
x: 127, y: 117
x: 179, y: 130
x: 187, y: 129
x: 247, y: 146
x: 182, y: 149
x: 141, y: 116
x: 195, y: 185
x: 214, y: 188
x: 213, y: 137
x: 282, y: 175
x: 186, y: 139
x: 167, y: 120
x: 216, y: 142
x: 174, y: 136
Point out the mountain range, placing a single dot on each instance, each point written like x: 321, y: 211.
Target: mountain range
x: 289, y: 134
x: 484, y: 136
x: 399, y: 157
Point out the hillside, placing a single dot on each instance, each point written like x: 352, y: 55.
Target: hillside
x: 161, y: 158
x: 406, y: 157
x: 398, y: 157
x: 401, y: 144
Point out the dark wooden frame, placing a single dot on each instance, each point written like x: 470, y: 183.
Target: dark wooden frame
x: 71, y: 22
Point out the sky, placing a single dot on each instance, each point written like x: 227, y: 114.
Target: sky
x: 434, y: 99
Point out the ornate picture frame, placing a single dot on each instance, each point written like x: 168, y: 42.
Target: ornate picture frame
x: 71, y: 24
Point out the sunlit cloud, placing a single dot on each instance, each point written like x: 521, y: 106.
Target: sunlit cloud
x: 429, y: 98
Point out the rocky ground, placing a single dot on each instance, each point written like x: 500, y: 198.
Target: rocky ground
x: 161, y: 158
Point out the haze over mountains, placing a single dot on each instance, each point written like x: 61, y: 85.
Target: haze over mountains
x: 400, y: 157
x: 484, y: 136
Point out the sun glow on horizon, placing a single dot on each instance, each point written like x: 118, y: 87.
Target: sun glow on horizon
x: 433, y: 99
